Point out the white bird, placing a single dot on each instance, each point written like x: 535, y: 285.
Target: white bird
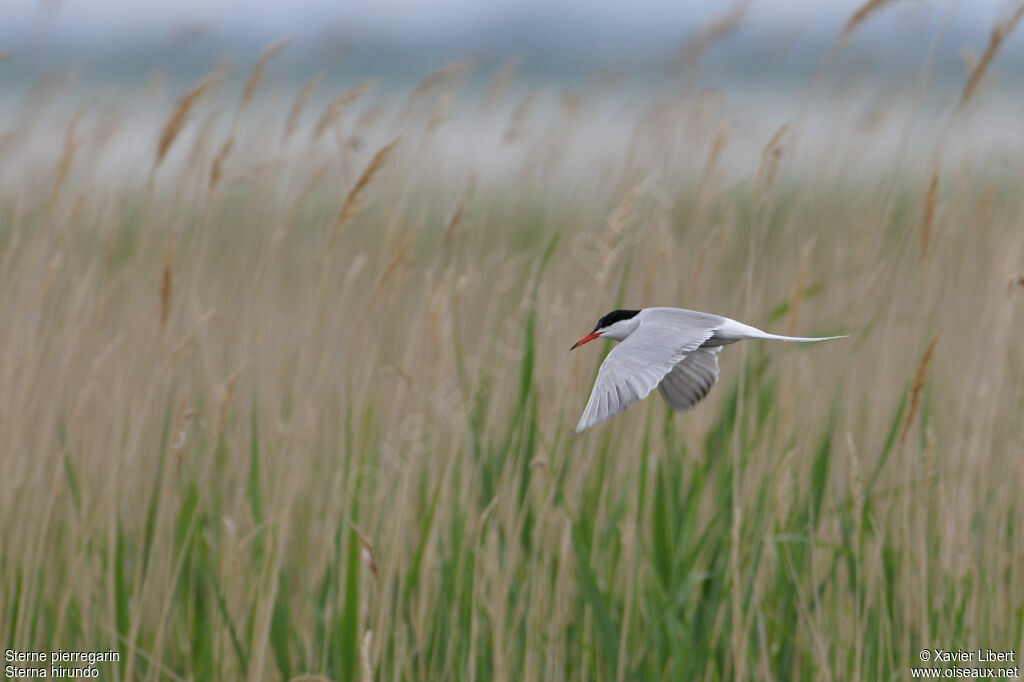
x: 671, y: 348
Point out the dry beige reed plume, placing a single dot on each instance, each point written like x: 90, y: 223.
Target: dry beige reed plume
x: 518, y: 117
x: 928, y: 216
x: 336, y: 105
x: 350, y: 206
x: 217, y: 169
x: 179, y: 434
x: 201, y: 142
x: 861, y: 14
x: 403, y: 374
x: 179, y: 117
x: 969, y: 58
x: 224, y: 393
x: 456, y: 216
x: 45, y: 88
x: 370, y: 115
x: 799, y: 288
x: 439, y: 114
x: 570, y: 103
x: 364, y: 656
x: 298, y: 104
x: 176, y: 352
x: 770, y: 158
x: 397, y: 259
x: 447, y: 72
x: 702, y: 255
x: 624, y: 216
x: 319, y: 172
x: 920, y: 378
x: 453, y: 221
x: 252, y: 83
x: 615, y: 224
x: 167, y: 282
x: 999, y: 33
x: 67, y: 155
x: 502, y: 79
x: 369, y: 555
x: 717, y: 28
x: 4, y: 55
x: 111, y: 121
x: 714, y: 152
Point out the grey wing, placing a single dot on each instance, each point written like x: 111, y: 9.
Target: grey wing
x: 637, y: 365
x: 691, y: 380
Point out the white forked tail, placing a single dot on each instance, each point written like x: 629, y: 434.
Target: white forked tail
x: 801, y: 339
x: 731, y: 331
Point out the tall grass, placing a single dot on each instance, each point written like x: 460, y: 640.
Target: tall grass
x: 233, y: 452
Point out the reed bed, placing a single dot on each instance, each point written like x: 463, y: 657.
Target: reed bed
x: 308, y: 414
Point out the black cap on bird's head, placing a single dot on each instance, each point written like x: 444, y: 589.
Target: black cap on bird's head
x: 613, y: 317
x: 605, y: 322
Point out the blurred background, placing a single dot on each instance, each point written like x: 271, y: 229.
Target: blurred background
x: 760, y: 64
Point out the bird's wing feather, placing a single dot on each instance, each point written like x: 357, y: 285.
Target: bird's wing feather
x: 637, y: 365
x: 691, y: 380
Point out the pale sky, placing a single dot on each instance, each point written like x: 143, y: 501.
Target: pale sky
x: 106, y: 20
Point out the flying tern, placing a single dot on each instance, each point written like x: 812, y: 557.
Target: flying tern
x: 672, y: 349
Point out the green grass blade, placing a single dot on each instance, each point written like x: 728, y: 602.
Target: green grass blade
x: 607, y: 632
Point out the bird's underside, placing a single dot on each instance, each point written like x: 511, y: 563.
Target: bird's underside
x: 671, y: 349
x: 691, y: 380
